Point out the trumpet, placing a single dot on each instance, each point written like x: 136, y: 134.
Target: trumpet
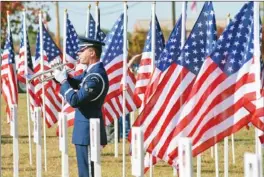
x: 47, y: 73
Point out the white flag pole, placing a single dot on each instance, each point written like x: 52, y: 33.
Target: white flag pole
x: 258, y: 82
x: 14, y: 133
x: 38, y: 140
x: 216, y: 160
x: 64, y: 143
x: 27, y: 86
x: 183, y: 28
x: 88, y: 22
x: 116, y: 136
x: 199, y: 165
x: 153, y: 48
x: 226, y: 157
x: 124, y: 86
x: 43, y: 88
x: 116, y: 127
x: 63, y: 133
x: 96, y: 18
x: 183, y: 36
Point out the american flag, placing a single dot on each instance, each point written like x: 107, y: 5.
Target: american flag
x: 72, y: 42
x: 100, y: 35
x: 8, y: 74
x: 112, y: 58
x: 145, y: 67
x: 176, y: 94
x: 162, y: 70
x: 71, y: 48
x: 227, y: 84
x: 257, y: 118
x: 52, y: 55
x: 30, y: 70
x: 21, y: 74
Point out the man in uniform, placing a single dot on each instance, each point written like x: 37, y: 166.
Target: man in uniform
x: 86, y: 93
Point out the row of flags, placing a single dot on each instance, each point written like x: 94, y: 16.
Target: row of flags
x: 204, y: 90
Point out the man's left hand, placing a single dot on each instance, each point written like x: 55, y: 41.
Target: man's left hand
x: 60, y: 76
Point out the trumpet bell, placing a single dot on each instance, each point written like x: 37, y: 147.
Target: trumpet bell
x: 47, y: 75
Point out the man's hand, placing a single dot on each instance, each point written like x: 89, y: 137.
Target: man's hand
x: 60, y: 76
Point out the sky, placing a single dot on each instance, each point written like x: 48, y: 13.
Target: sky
x: 110, y: 11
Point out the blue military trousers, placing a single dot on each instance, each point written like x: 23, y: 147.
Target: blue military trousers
x: 83, y: 162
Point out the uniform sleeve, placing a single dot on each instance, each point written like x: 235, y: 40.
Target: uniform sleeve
x: 75, y: 81
x: 90, y: 90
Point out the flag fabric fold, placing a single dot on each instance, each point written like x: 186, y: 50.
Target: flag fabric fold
x: 112, y: 58
x: 145, y: 67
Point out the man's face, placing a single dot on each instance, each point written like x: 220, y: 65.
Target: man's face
x: 86, y: 55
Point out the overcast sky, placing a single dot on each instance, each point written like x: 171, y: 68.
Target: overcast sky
x: 110, y: 11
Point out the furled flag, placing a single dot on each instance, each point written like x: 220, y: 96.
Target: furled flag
x: 112, y: 58
x: 227, y: 84
x: 21, y: 72
x: 51, y: 55
x: 95, y: 32
x: 174, y: 97
x: 8, y: 74
x: 145, y: 67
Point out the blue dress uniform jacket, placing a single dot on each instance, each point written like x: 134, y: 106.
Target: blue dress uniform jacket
x: 86, y: 93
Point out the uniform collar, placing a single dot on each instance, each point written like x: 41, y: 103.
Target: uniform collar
x: 92, y: 65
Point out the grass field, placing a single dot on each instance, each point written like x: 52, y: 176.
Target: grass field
x: 111, y: 167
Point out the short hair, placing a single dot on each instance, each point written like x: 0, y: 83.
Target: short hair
x: 98, y: 51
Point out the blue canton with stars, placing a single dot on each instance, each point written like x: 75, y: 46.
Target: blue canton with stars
x: 10, y: 48
x: 100, y: 35
x: 172, y: 48
x: 235, y: 46
x: 52, y: 51
x: 159, y: 43
x: 113, y: 42
x: 201, y: 40
x: 29, y: 59
x: 71, y: 40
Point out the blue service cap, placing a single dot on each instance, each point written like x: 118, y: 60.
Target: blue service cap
x: 86, y: 42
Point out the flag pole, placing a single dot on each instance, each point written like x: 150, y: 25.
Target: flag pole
x: 43, y: 88
x: 62, y: 118
x: 124, y: 86
x: 27, y: 86
x: 153, y: 48
x: 257, y: 75
x: 116, y: 119
x: 226, y: 138
x: 88, y: 21
x: 96, y: 18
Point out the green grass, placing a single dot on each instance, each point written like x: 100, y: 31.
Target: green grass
x: 111, y: 167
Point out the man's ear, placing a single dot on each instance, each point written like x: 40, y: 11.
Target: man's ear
x: 93, y: 53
